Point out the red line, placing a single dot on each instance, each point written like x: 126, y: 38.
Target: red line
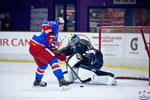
x: 132, y: 78
x: 149, y: 59
x: 100, y: 38
x: 148, y: 53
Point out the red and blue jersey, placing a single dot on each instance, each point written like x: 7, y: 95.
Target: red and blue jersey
x: 43, y: 40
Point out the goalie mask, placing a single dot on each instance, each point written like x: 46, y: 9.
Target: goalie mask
x: 73, y: 39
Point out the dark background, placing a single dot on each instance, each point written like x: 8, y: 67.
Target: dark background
x: 20, y: 10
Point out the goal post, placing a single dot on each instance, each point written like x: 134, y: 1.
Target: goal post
x: 126, y: 46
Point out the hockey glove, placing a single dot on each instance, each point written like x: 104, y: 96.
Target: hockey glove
x: 53, y: 50
x: 60, y: 56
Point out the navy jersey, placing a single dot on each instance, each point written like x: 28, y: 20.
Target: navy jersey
x: 80, y: 47
x: 94, y: 60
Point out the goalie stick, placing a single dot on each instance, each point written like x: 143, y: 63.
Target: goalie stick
x: 82, y: 81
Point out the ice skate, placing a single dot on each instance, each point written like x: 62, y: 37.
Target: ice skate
x: 112, y: 81
x: 39, y: 83
x: 63, y: 82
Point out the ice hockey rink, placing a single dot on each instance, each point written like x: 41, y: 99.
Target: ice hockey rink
x: 17, y: 78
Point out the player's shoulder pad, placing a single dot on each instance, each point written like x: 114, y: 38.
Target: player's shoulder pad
x: 54, y: 24
x: 45, y: 22
x: 84, y: 41
x: 87, y: 43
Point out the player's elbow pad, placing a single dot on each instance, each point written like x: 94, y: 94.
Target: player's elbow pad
x: 46, y: 28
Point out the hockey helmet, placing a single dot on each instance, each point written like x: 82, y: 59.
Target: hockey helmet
x: 59, y: 20
x: 73, y: 39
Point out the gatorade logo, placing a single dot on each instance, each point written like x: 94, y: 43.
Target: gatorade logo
x: 134, y: 44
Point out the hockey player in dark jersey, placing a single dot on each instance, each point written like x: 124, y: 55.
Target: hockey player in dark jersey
x: 83, y: 55
x: 43, y: 52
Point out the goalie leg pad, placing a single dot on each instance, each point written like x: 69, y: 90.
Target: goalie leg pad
x: 70, y: 76
x: 106, y: 80
x: 74, y: 59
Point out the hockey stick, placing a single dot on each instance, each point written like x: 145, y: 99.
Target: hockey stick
x: 82, y: 81
x: 61, y: 42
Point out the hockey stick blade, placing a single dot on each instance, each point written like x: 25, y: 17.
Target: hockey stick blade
x: 65, y: 72
x: 87, y: 80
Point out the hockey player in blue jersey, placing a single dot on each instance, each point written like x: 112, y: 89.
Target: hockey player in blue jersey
x: 41, y: 48
x: 83, y: 55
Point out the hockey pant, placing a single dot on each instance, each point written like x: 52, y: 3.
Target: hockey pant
x: 43, y: 57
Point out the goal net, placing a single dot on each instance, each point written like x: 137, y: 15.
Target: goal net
x: 126, y: 51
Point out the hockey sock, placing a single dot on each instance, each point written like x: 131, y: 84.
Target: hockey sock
x: 56, y: 68
x: 40, y: 72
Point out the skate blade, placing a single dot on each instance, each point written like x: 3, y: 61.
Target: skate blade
x: 64, y: 88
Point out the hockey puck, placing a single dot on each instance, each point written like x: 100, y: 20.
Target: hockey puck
x: 81, y: 86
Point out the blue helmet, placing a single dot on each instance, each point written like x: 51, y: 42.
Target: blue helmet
x: 59, y: 20
x: 73, y: 37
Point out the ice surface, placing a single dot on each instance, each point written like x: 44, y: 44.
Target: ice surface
x: 17, y: 78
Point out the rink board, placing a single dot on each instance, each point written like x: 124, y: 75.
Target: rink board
x: 116, y: 48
